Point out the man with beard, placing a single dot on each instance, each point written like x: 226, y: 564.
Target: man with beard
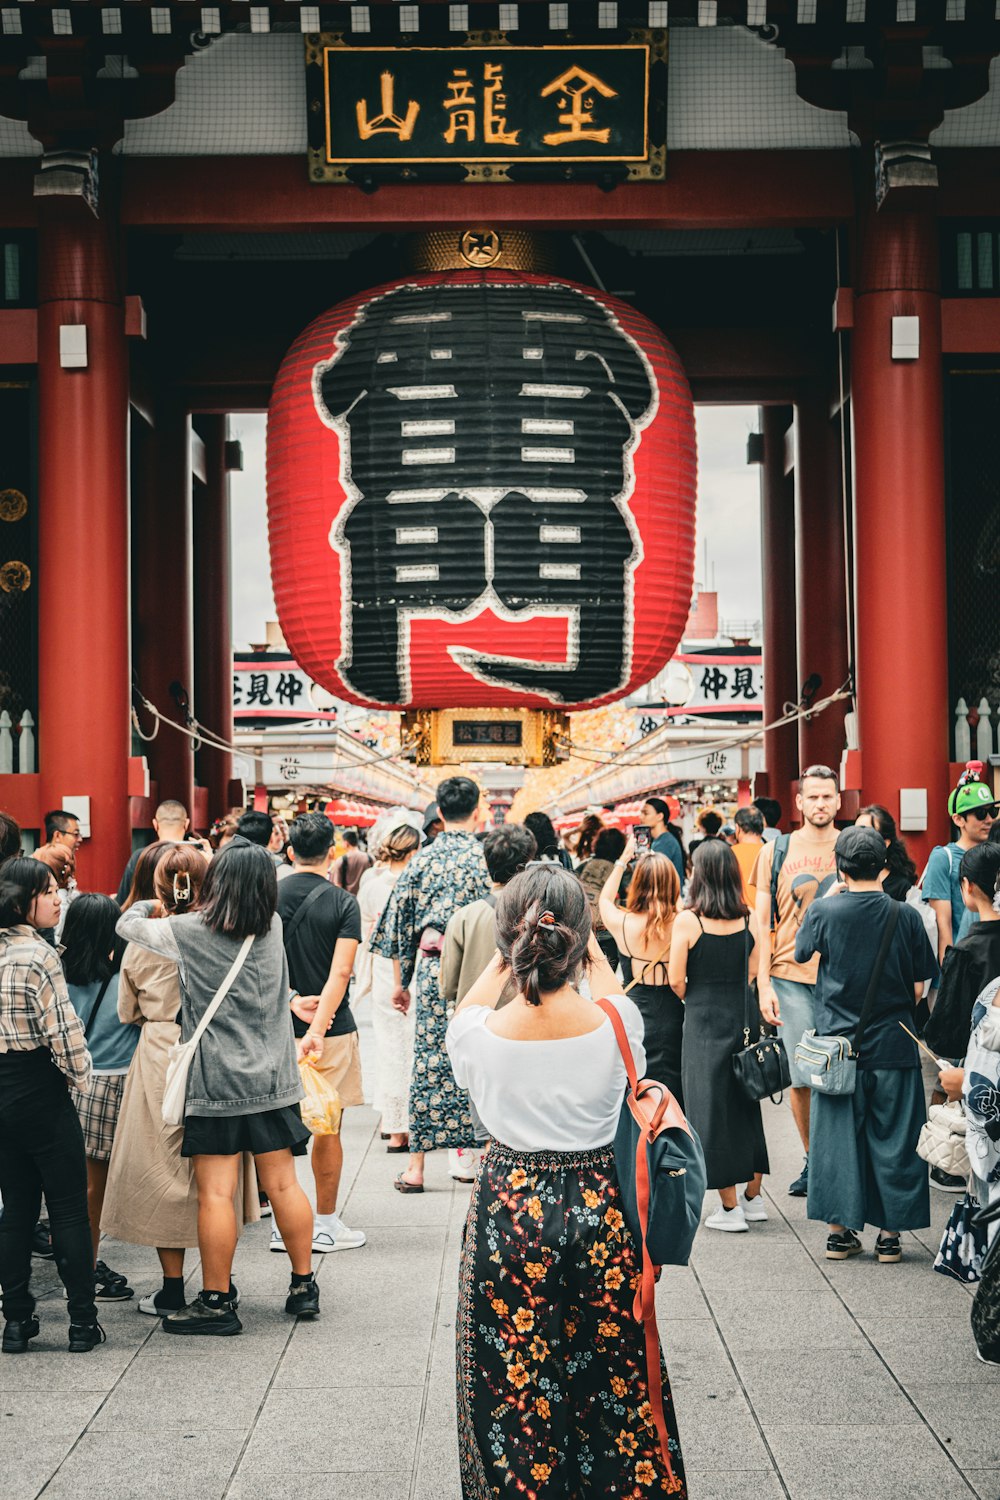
x: 790, y: 873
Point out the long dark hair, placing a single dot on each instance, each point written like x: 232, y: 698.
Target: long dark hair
x: 240, y: 893
x: 540, y: 824
x: 142, y: 887
x: 22, y: 881
x: 543, y: 928
x: 897, y: 855
x: 716, y: 889
x: 91, y: 950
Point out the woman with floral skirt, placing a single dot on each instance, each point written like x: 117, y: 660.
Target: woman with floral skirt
x: 553, y: 1396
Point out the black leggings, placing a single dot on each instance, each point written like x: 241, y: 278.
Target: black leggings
x: 41, y: 1151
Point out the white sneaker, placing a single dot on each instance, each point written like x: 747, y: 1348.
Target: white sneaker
x: 277, y: 1245
x: 753, y: 1208
x: 331, y: 1233
x: 733, y: 1220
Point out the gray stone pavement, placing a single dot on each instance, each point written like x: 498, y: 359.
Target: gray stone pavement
x: 793, y: 1376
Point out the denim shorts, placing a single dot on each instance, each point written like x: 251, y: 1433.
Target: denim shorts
x: 796, y: 1004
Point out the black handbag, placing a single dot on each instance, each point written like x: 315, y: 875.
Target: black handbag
x: 761, y: 1067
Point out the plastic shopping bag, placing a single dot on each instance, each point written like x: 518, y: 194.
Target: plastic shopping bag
x: 321, y: 1108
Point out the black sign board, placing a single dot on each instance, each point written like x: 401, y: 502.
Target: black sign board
x: 487, y: 110
x: 486, y: 732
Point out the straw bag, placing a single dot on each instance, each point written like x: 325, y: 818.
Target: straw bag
x: 942, y: 1139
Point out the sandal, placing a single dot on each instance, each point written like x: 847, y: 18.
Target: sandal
x: 402, y: 1186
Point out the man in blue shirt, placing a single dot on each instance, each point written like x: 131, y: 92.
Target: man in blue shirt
x: 973, y: 811
x: 655, y: 816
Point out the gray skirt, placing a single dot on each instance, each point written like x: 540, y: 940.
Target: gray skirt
x: 863, y: 1162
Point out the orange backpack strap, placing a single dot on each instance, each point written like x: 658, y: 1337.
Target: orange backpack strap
x: 644, y: 1306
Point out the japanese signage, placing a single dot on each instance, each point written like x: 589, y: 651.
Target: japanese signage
x: 487, y: 109
x: 725, y: 684
x: 265, y: 687
x: 491, y: 477
x: 728, y: 683
x: 466, y: 732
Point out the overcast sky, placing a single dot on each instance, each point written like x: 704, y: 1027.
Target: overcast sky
x: 728, y: 520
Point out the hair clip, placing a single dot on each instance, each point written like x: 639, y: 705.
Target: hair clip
x: 547, y: 919
x: 182, y: 887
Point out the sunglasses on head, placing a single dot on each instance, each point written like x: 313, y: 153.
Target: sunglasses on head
x: 982, y: 813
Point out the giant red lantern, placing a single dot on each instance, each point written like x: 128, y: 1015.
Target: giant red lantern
x: 481, y: 491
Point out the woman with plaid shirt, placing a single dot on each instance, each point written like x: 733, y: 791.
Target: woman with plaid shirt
x: 43, y: 1050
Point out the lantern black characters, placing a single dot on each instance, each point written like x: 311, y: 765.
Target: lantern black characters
x: 481, y: 491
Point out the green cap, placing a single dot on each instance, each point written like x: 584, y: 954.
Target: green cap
x: 965, y: 799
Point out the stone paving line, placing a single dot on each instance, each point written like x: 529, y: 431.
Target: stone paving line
x: 793, y: 1376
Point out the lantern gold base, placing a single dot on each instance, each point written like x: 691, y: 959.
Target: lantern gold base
x: 511, y: 736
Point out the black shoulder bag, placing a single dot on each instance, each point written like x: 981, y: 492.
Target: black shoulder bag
x: 761, y: 1067
x: 97, y: 1003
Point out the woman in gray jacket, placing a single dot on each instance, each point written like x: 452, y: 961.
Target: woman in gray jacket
x: 244, y: 1086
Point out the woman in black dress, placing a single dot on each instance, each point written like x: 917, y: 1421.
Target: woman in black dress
x: 713, y: 958
x: 643, y: 932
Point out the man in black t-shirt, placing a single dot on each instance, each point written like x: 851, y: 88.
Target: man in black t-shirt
x: 322, y: 931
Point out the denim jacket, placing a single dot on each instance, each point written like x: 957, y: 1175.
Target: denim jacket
x: 246, y: 1062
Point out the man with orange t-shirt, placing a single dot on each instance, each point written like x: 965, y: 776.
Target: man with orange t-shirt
x: 749, y: 822
x: 805, y: 869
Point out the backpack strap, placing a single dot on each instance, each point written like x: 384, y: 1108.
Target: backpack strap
x: 97, y: 1004
x: 644, y: 1306
x: 303, y: 906
x: 781, y: 846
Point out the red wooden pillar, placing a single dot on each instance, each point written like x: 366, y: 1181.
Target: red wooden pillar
x: 83, y: 560
x: 821, y: 580
x: 162, y: 595
x: 212, y: 615
x: 902, y: 669
x: 779, y: 585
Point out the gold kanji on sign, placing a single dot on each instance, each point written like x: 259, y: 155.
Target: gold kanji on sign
x: 576, y: 89
x: 388, y: 122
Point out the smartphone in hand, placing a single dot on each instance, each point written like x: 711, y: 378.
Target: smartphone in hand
x: 643, y: 839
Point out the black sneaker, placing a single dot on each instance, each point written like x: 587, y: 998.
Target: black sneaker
x: 303, y: 1300
x: 110, y: 1286
x: 198, y: 1317
x: 16, y: 1334
x: 800, y: 1187
x: 888, y: 1249
x: 946, y: 1183
x: 843, y: 1246
x: 85, y: 1336
x: 41, y: 1241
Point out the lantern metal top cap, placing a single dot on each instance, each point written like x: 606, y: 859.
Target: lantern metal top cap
x: 483, y: 247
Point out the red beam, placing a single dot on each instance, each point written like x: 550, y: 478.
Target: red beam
x: 21, y: 799
x: 18, y: 336
x: 705, y: 189
x: 970, y: 325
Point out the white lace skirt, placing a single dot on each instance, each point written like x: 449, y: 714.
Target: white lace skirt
x: 392, y: 1034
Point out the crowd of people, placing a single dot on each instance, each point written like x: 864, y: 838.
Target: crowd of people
x: 480, y: 956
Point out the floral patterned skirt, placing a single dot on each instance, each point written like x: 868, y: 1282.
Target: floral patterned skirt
x: 552, y: 1393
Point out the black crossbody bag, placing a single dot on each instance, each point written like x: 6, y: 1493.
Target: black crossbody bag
x: 761, y: 1067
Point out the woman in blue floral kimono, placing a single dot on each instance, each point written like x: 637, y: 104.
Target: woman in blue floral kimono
x: 978, y: 1085
x: 451, y: 872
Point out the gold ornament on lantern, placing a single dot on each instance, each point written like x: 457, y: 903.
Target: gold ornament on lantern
x: 13, y: 505
x: 482, y: 246
x: 15, y: 577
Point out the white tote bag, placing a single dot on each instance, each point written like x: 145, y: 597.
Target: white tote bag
x: 182, y: 1053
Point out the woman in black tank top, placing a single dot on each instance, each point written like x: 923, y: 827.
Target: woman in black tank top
x: 712, y: 960
x: 642, y: 931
